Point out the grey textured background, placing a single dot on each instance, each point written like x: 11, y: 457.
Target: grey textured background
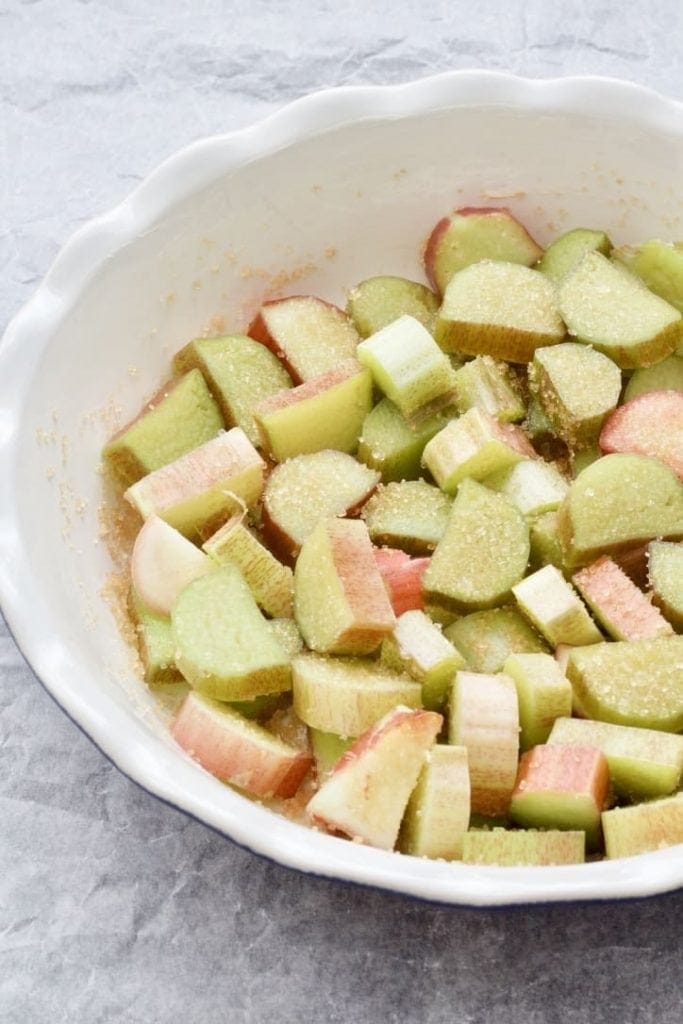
x: 114, y: 907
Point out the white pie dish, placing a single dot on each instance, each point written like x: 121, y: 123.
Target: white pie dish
x: 336, y: 187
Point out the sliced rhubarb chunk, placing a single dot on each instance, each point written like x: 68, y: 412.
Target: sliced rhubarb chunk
x: 271, y: 582
x: 659, y: 265
x: 238, y: 751
x: 620, y: 607
x: 543, y: 694
x: 644, y: 828
x: 438, y: 812
x: 287, y: 634
x: 666, y: 579
x: 567, y: 251
x: 484, y: 717
x: 325, y: 412
x: 651, y: 424
x: 310, y: 336
x: 523, y: 847
x: 155, y: 643
x: 664, y: 376
x: 224, y: 647
x: 345, y: 696
x: 561, y: 788
x: 545, y: 542
x: 486, y: 639
x: 327, y: 748
x: 411, y: 515
x: 391, y: 445
x: 417, y: 646
x: 403, y: 578
x: 577, y: 388
x: 532, y: 485
x: 555, y: 609
x: 200, y: 489
x: 366, y: 794
x: 340, y: 601
x: 378, y: 301
x: 163, y: 563
x: 488, y: 384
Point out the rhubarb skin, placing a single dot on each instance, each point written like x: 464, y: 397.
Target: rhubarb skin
x: 402, y: 576
x: 622, y: 609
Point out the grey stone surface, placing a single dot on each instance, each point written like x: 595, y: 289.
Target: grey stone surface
x: 114, y: 907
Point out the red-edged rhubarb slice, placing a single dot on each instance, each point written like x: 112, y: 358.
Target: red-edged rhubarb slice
x: 402, y: 577
x: 619, y: 606
x: 163, y: 563
x: 651, y: 424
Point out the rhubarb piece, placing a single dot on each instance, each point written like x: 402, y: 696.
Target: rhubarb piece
x: 578, y: 388
x: 325, y: 412
x: 644, y: 828
x: 482, y: 554
x: 200, y: 489
x: 523, y: 848
x: 543, y: 694
x: 366, y: 794
x: 664, y: 376
x: 224, y: 647
x: 403, y: 578
x: 622, y: 610
x: 163, y: 563
x: 392, y: 446
x: 561, y: 788
x: 327, y: 748
x: 180, y: 417
x: 345, y: 696
x: 308, y: 488
x: 411, y: 515
x: 378, y: 301
x: 438, y: 812
x: 637, y: 683
x: 567, y: 251
x: 484, y: 383
x: 666, y: 579
x: 287, y: 634
x: 240, y: 374
x: 643, y: 763
x: 487, y: 639
x: 417, y: 646
x: 472, y: 234
x: 552, y: 605
x: 155, y: 643
x: 532, y: 485
x: 271, y: 582
x: 659, y: 265
x: 484, y: 717
x: 475, y: 445
x: 238, y: 751
x: 544, y: 541
x: 618, y: 503
x: 651, y: 424
x: 610, y: 309
x: 309, y: 336
x: 409, y: 368
x: 340, y: 602
x: 499, y: 309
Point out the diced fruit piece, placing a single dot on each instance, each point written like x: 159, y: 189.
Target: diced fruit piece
x: 532, y: 485
x: 403, y: 577
x: 180, y: 417
x: 644, y: 828
x: 197, y: 491
x: 551, y: 603
x: 482, y: 554
x: 389, y: 444
x: 340, y: 602
x: 642, y: 763
x: 567, y: 251
x: 664, y: 376
x: 224, y: 647
x: 619, y: 606
x: 325, y: 412
x: 327, y: 748
x: 287, y: 634
x: 499, y: 309
x: 411, y: 515
x: 577, y: 387
x: 409, y: 367
x: 545, y: 543
x: 261, y: 708
x: 304, y: 490
x: 561, y: 788
x: 651, y: 424
x: 543, y: 694
x: 367, y: 792
x: 346, y: 696
x: 473, y: 234
x: 310, y: 336
x: 240, y: 374
x: 378, y: 301
x: 438, y: 811
x: 238, y: 751
x: 523, y: 848
x: 637, y: 683
x: 163, y: 563
x: 155, y: 643
x: 475, y: 445
x: 659, y: 265
x: 484, y: 718
x: 666, y: 579
x: 605, y: 306
x: 617, y: 503
x: 417, y: 646
x: 271, y: 583
x: 486, y: 639
x: 484, y: 383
